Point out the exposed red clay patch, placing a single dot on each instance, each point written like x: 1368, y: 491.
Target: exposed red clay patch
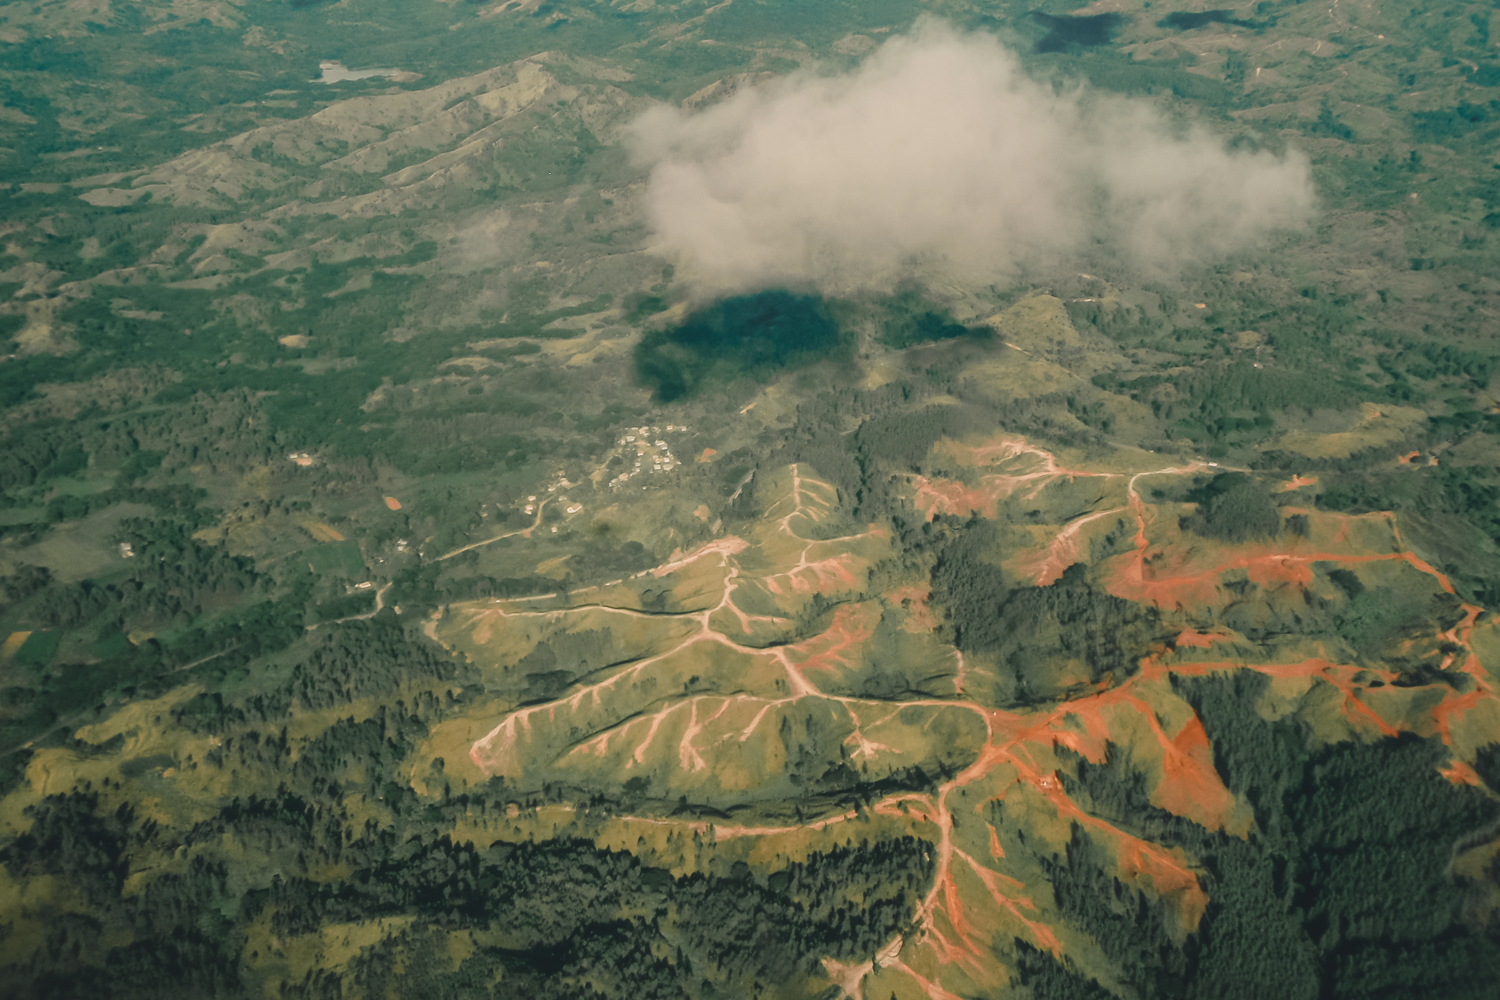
x: 1166, y: 581
x: 707, y: 455
x: 1064, y: 552
x: 1407, y: 459
x: 1297, y: 482
x: 814, y: 577
x: 1169, y: 877
x: 913, y: 599
x: 393, y: 503
x: 1462, y: 774
x: 996, y: 883
x: 1190, y: 785
x: 1340, y: 676
x: 1198, y: 640
x: 852, y: 625
x: 996, y: 851
x: 1453, y: 705
x: 946, y: 496
x: 1187, y: 783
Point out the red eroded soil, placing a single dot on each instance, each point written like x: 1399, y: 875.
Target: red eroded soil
x: 913, y: 599
x: 947, y: 496
x: 956, y: 920
x: 996, y: 851
x: 814, y: 577
x: 1199, y: 640
x: 1455, y: 705
x: 1190, y: 786
x: 1171, y: 878
x: 1064, y: 550
x: 1462, y: 774
x: 837, y: 647
x: 1168, y: 578
x: 1138, y: 577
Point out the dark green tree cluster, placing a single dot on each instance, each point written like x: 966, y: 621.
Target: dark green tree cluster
x: 818, y: 438
x: 1129, y: 926
x: 844, y: 903
x: 376, y: 745
x: 1034, y: 633
x: 120, y: 669
x: 180, y: 501
x: 1454, y: 510
x: 1233, y: 507
x: 175, y: 578
x: 40, y: 451
x: 361, y: 658
x: 570, y: 911
x: 902, y: 440
x: 23, y: 583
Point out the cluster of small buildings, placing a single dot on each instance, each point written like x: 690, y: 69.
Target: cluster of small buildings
x: 652, y: 454
x: 569, y: 507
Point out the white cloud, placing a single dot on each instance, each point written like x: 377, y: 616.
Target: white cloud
x: 939, y: 158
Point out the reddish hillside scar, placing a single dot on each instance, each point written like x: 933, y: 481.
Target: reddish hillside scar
x: 1199, y: 640
x: 1462, y: 774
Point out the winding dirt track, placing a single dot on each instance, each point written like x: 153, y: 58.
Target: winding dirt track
x: 944, y: 936
x: 523, y: 532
